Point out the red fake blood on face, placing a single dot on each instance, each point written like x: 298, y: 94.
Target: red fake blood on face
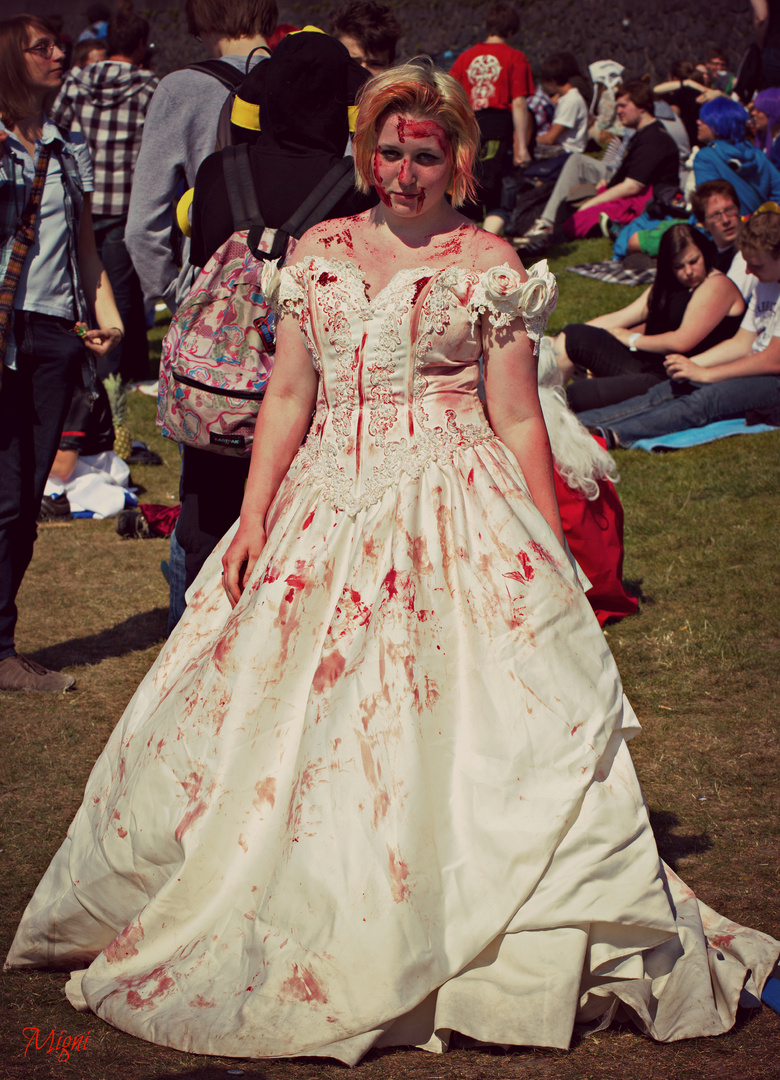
x: 302, y: 985
x: 422, y: 129
x: 399, y: 872
x: 124, y: 944
x: 378, y: 185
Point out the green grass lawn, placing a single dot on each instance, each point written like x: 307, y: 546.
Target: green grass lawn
x: 699, y: 663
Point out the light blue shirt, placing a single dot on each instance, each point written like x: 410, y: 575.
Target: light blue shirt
x: 46, y: 285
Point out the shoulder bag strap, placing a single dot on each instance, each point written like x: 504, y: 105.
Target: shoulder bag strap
x: 230, y: 77
x: 316, y: 207
x: 241, y: 188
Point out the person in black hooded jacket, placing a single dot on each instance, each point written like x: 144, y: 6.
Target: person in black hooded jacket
x: 304, y: 93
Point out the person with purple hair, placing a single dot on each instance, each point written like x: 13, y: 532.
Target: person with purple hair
x: 765, y: 114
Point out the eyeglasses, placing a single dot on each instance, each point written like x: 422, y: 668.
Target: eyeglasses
x: 723, y: 215
x: 45, y: 49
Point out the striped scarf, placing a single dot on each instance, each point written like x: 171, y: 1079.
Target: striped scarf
x: 23, y: 240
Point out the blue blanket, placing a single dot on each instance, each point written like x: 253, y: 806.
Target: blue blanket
x: 721, y: 429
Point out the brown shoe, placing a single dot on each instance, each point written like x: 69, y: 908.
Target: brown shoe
x: 20, y: 673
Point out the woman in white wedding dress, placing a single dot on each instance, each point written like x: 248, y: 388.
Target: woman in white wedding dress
x: 377, y: 789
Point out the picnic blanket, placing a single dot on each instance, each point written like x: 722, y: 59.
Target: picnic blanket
x: 614, y: 272
x: 721, y: 429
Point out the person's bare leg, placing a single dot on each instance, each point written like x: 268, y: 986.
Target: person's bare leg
x: 633, y: 244
x: 493, y: 223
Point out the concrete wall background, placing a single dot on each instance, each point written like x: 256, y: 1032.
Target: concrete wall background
x: 644, y: 37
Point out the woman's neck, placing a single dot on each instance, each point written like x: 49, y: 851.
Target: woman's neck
x: 30, y: 128
x: 417, y: 232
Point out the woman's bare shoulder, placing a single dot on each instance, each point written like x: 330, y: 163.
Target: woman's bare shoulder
x: 485, y: 250
x: 333, y: 239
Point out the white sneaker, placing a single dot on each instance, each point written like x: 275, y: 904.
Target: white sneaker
x: 538, y: 237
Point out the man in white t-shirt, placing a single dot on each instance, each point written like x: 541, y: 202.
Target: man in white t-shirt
x: 569, y: 130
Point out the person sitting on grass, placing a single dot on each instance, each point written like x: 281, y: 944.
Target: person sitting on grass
x: 690, y: 306
x: 727, y: 381
x: 716, y: 208
x: 568, y: 133
x: 649, y: 165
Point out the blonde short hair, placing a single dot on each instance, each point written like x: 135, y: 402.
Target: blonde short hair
x: 421, y: 90
x: 761, y: 232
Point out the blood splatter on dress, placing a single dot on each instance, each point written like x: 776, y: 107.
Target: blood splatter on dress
x: 389, y: 795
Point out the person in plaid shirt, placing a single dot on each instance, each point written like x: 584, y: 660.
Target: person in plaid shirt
x: 107, y: 103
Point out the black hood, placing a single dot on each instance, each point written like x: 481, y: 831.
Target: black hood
x: 309, y: 83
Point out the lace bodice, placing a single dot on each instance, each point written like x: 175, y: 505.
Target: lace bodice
x: 399, y: 372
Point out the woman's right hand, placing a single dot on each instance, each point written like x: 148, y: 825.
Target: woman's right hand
x: 239, y: 560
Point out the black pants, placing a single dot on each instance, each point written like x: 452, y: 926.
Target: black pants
x: 211, y: 490
x: 34, y: 401
x: 620, y: 373
x: 131, y: 357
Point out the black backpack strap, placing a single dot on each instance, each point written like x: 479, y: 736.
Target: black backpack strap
x: 316, y: 207
x: 240, y: 187
x: 230, y: 77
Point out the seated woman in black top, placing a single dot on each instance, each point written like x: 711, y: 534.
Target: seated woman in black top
x: 691, y: 302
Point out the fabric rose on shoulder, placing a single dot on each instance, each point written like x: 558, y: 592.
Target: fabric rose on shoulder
x: 538, y: 299
x: 502, y: 283
x: 503, y: 295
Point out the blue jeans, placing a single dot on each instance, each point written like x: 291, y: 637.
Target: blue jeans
x: 177, y: 584
x: 131, y: 358
x: 34, y: 401
x: 672, y: 406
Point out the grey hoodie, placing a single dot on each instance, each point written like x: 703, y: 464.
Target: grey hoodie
x: 180, y: 132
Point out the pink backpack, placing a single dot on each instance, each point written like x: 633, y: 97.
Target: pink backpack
x: 218, y: 353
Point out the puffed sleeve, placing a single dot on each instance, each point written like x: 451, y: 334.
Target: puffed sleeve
x: 502, y: 295
x: 284, y: 288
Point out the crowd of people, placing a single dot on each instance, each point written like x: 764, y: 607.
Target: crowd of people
x: 376, y: 788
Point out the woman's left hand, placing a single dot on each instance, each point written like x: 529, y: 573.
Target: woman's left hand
x: 100, y: 342
x: 681, y: 367
x: 622, y: 333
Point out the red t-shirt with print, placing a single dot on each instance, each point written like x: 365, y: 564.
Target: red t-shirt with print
x: 493, y: 75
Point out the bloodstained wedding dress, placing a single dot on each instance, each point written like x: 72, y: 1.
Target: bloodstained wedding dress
x: 389, y: 795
